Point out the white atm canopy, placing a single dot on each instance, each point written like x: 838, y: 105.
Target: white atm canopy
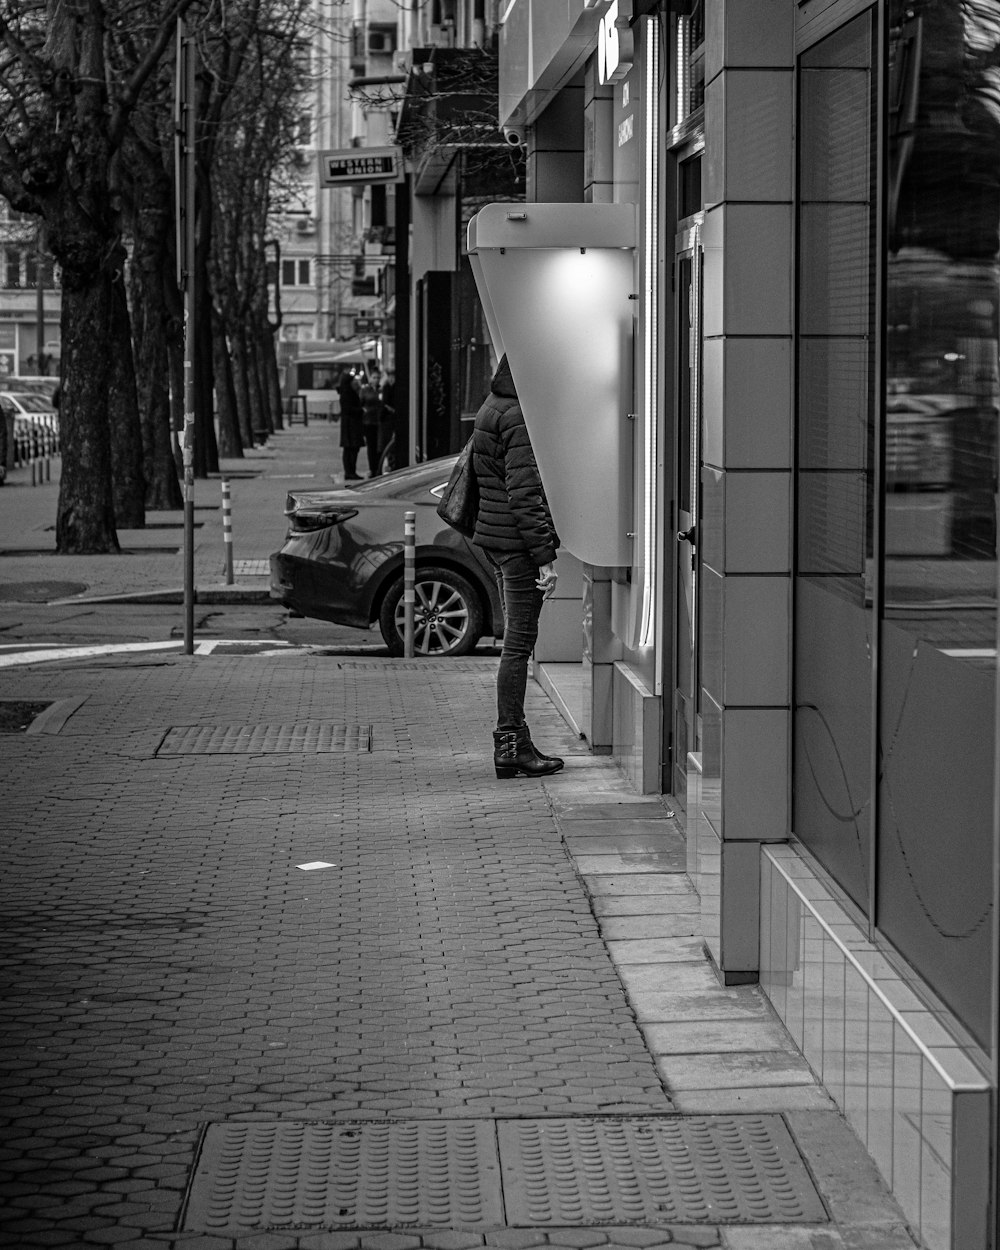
x: 557, y: 283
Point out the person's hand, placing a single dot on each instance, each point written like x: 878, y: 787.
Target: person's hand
x: 547, y: 579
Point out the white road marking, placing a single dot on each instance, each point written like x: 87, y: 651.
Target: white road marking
x: 83, y: 653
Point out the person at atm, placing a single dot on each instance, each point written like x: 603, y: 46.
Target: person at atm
x: 514, y: 528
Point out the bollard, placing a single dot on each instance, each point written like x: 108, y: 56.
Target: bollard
x: 409, y: 580
x: 227, y: 529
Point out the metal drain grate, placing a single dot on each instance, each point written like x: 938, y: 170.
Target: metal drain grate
x: 475, y: 1174
x: 251, y: 568
x: 255, y: 1176
x: 685, y: 1170
x: 264, y: 739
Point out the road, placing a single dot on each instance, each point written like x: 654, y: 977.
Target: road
x: 87, y: 624
x: 27, y: 626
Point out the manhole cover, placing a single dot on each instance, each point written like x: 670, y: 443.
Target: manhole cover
x: 518, y: 1173
x: 38, y: 592
x: 264, y: 739
x: 351, y: 1175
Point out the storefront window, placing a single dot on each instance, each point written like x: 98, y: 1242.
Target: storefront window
x: 834, y: 624
x: 896, y: 574
x: 939, y: 621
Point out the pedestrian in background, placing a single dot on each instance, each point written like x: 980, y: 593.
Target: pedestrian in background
x: 514, y: 528
x: 387, y: 417
x: 352, y: 437
x: 371, y: 408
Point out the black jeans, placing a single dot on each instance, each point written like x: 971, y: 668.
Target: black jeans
x: 371, y: 447
x: 522, y: 601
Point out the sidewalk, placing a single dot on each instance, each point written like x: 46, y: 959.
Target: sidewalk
x: 151, y: 566
x: 287, y: 966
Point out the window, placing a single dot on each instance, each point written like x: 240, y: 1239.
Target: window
x: 12, y: 267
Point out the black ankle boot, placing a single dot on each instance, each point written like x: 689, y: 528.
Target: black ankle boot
x: 513, y: 753
x: 552, y: 759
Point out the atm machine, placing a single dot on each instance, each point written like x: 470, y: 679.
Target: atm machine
x: 558, y: 287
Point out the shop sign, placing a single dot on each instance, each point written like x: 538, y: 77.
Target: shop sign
x: 357, y: 166
x: 367, y: 325
x: 615, y: 42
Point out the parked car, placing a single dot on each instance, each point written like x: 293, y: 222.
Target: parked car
x: 342, y: 561
x: 37, y: 384
x: 31, y: 404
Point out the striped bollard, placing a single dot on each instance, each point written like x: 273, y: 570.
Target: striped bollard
x: 227, y: 529
x: 409, y: 580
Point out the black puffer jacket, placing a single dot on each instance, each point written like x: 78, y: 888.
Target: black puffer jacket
x: 513, y: 512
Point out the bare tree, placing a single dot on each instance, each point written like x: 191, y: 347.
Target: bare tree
x: 71, y: 74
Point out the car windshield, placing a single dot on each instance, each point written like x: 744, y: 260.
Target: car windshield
x: 409, y: 481
x: 31, y: 403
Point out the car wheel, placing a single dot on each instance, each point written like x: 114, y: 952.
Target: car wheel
x: 447, y: 617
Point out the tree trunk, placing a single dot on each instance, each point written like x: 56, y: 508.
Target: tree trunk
x: 150, y: 328
x: 241, y: 384
x: 258, y: 334
x: 128, y: 483
x: 206, y: 447
x: 85, y: 518
x: 272, y: 377
x: 230, y: 442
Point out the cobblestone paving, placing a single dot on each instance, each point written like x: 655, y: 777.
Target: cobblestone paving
x: 166, y: 963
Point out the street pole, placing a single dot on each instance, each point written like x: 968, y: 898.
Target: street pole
x: 184, y: 181
x: 409, y: 580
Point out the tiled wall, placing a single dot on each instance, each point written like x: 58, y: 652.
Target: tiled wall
x: 636, y: 714
x: 745, y: 507
x: 909, y: 1090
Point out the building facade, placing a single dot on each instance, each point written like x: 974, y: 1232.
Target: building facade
x: 800, y: 644
x: 30, y: 301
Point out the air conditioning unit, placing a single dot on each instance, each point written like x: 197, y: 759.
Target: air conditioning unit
x: 305, y: 225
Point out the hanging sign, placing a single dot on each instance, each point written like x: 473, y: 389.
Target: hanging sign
x: 353, y: 166
x: 615, y: 42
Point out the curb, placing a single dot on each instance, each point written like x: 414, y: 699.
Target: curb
x: 202, y: 594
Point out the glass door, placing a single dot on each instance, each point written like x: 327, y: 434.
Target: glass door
x: 688, y: 294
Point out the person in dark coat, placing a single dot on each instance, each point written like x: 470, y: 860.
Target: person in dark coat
x: 371, y: 408
x: 514, y: 528
x: 352, y: 430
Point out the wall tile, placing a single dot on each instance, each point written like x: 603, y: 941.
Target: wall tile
x: 757, y: 120
x: 755, y: 773
x: 714, y: 404
x: 756, y: 522
x: 755, y: 641
x: 740, y: 907
x: 757, y: 400
x: 756, y: 271
x: 712, y: 518
x: 855, y: 1105
x: 715, y: 140
x: 834, y: 1042
x: 937, y: 1150
x: 906, y: 1120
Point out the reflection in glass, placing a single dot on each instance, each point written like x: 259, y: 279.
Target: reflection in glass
x: 938, y: 654
x: 836, y: 399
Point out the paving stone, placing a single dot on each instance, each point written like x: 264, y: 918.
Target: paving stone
x: 170, y: 966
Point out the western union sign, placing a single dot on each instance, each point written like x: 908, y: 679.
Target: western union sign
x: 350, y: 166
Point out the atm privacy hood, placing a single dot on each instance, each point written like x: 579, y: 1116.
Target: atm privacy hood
x: 556, y: 283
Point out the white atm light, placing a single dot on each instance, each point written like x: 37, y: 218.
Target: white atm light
x: 557, y: 284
